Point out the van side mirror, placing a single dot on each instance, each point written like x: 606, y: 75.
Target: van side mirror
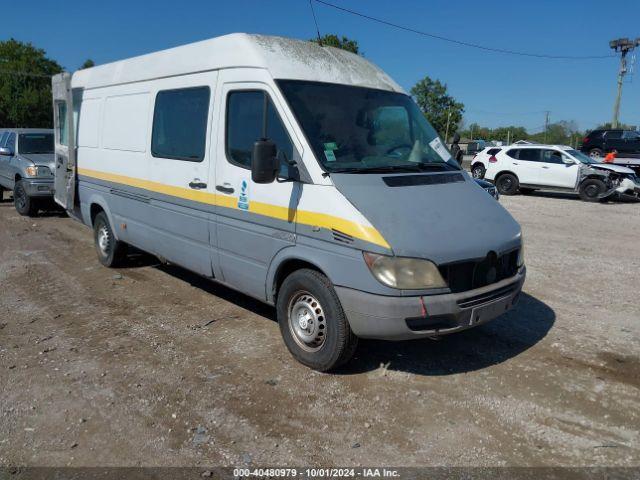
x: 568, y: 161
x: 6, y: 151
x: 264, y: 161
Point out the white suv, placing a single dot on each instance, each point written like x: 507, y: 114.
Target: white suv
x: 526, y: 168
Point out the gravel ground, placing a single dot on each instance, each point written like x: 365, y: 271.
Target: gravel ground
x: 151, y: 365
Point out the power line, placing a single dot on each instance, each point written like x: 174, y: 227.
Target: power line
x: 315, y: 20
x: 460, y: 42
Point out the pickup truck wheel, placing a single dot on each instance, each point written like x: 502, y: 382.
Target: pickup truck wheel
x: 111, y: 252
x: 312, y: 322
x: 591, y: 190
x: 478, y: 171
x: 507, y: 184
x: 25, y: 205
x: 595, y: 153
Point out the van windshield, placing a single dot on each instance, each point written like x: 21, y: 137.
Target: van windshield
x: 32, y: 143
x: 364, y: 130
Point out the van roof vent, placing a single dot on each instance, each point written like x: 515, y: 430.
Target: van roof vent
x: 414, y: 180
x: 341, y: 237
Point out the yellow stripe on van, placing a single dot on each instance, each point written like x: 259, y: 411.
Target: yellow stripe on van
x: 322, y: 220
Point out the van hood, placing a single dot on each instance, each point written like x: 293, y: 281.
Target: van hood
x: 46, y: 159
x: 444, y: 217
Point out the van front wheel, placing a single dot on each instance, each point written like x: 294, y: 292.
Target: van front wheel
x: 111, y: 252
x: 312, y: 322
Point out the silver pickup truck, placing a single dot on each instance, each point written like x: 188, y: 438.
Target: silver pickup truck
x: 26, y: 167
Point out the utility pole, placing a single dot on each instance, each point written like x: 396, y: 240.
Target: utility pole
x: 546, y: 124
x: 446, y: 135
x: 624, y: 46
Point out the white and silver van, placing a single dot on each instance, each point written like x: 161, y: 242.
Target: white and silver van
x: 301, y: 175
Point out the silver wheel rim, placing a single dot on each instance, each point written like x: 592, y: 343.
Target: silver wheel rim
x: 477, y: 172
x: 594, y: 154
x: 307, y: 322
x: 104, y: 240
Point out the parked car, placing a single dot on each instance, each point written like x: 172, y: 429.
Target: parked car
x: 26, y: 167
x: 301, y: 175
x: 599, y: 142
x: 488, y: 187
x: 526, y: 168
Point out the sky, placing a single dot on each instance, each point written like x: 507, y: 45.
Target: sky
x: 496, y: 89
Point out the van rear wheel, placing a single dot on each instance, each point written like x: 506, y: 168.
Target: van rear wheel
x: 312, y: 322
x: 111, y: 252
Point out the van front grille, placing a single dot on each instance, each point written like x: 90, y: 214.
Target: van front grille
x: 469, y: 275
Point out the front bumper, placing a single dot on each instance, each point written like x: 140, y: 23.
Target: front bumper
x: 404, y: 318
x: 38, y: 187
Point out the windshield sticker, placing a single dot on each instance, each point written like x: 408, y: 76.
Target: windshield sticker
x: 330, y: 156
x: 243, y: 199
x: 331, y: 146
x: 440, y: 149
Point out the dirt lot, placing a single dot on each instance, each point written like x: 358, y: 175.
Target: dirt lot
x: 151, y: 365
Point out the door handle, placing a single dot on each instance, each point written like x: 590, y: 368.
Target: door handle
x: 226, y: 188
x: 544, y: 166
x: 516, y: 163
x: 196, y: 184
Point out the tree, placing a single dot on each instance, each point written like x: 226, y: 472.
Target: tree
x: 438, y: 106
x: 88, y: 63
x: 331, y: 40
x: 25, y: 85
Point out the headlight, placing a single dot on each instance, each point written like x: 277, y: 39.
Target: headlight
x: 521, y: 255
x: 404, y: 273
x: 38, y: 171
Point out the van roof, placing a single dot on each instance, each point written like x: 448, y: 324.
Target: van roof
x: 284, y: 58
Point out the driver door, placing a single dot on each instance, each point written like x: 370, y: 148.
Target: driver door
x: 254, y: 221
x: 555, y: 173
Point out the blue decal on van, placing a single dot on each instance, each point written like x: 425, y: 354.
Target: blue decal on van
x: 243, y: 199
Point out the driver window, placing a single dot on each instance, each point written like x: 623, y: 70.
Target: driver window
x: 552, y: 156
x: 250, y: 116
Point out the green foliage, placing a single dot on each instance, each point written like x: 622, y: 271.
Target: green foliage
x: 331, y: 40
x: 436, y: 104
x: 25, y: 85
x: 559, y: 133
x: 88, y: 63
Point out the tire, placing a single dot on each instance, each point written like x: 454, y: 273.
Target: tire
x: 595, y: 153
x: 478, y: 171
x: 111, y: 252
x: 591, y: 190
x: 25, y: 205
x: 507, y: 184
x: 527, y: 191
x: 312, y: 322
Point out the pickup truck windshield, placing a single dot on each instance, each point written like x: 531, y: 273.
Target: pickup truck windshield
x: 32, y: 143
x: 363, y: 130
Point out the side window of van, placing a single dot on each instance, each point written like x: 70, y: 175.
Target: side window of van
x: 250, y: 116
x: 180, y: 124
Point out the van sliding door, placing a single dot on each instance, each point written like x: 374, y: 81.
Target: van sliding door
x: 64, y: 133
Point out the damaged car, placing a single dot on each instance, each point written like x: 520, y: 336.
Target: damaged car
x: 525, y: 168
